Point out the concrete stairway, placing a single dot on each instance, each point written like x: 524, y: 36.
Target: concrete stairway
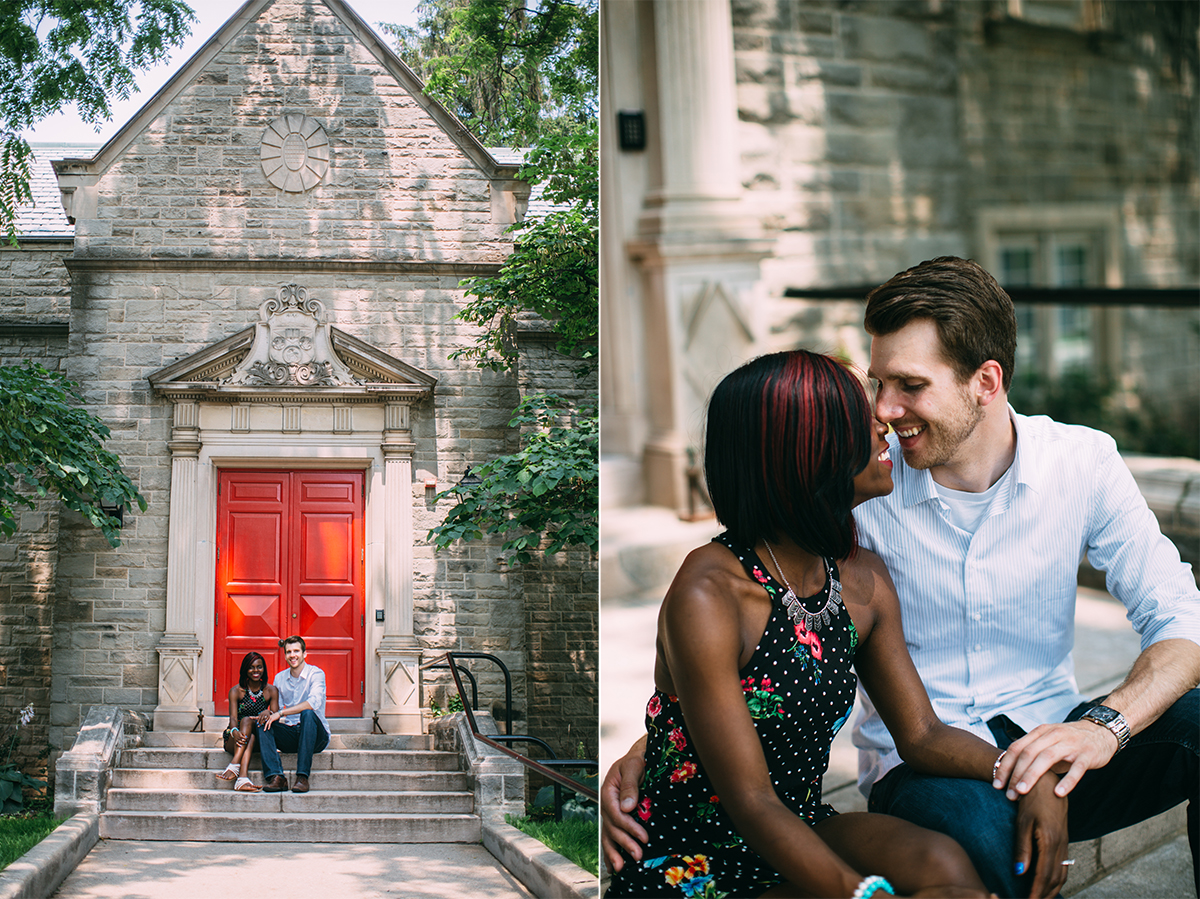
x: 366, y: 788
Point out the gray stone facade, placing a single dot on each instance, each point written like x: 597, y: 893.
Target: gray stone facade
x: 181, y: 233
x: 867, y: 137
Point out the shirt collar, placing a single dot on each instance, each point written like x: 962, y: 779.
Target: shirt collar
x: 917, y: 486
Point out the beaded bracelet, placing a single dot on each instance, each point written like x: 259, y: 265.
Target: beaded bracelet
x: 872, y: 885
x: 996, y: 764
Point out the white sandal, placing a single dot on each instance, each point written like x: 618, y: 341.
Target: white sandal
x: 229, y: 773
x: 245, y: 785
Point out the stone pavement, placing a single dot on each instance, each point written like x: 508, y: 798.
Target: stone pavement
x: 171, y: 870
x: 640, y: 550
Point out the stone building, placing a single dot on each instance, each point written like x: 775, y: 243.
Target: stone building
x: 765, y: 162
x: 255, y: 284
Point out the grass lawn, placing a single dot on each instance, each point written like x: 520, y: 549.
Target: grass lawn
x: 19, y: 834
x: 577, y: 840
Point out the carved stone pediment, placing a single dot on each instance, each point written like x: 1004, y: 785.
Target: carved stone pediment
x: 292, y: 353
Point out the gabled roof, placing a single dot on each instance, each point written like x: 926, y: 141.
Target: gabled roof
x: 454, y: 128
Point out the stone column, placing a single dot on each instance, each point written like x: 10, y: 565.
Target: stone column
x: 179, y: 649
x: 399, y: 653
x: 695, y: 234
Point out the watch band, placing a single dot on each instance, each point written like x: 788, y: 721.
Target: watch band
x: 1110, y: 719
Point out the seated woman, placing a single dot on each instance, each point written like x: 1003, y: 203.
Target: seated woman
x: 247, y: 698
x: 757, y: 637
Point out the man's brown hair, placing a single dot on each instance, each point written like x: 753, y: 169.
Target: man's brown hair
x: 293, y: 639
x: 974, y: 316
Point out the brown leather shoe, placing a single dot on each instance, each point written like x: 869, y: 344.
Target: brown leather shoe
x: 276, y: 784
x: 301, y: 785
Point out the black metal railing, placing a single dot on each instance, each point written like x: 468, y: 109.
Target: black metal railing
x: 544, y: 767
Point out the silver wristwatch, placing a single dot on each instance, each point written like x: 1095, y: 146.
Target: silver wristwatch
x: 1111, y: 719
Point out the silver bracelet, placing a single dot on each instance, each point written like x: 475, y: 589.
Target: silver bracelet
x: 996, y: 765
x: 869, y: 886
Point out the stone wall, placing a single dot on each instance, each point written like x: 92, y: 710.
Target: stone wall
x: 561, y: 592
x: 34, y: 299
x: 875, y: 134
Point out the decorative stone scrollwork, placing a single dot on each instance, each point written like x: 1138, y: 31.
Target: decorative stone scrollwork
x: 295, y: 153
x: 292, y: 346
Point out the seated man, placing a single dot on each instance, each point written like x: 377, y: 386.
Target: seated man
x: 299, y: 726
x: 983, y: 535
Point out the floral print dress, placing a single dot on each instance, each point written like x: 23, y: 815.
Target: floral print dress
x: 799, y: 688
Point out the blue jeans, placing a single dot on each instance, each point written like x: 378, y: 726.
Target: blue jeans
x: 1159, y: 769
x: 304, y: 739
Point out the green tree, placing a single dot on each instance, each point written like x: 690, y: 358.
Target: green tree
x: 57, y: 52
x: 512, y: 73
x: 50, y: 444
x: 528, y: 75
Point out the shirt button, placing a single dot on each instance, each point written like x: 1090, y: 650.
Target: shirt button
x: 976, y: 616
x: 979, y: 647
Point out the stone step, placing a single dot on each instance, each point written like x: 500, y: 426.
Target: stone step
x: 336, y: 759
x: 203, y: 779
x: 212, y: 740
x: 223, y: 799
x: 298, y: 828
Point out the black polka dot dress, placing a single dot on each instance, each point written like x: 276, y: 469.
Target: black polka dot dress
x: 799, y: 688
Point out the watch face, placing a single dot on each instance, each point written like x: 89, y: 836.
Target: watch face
x: 1102, y: 713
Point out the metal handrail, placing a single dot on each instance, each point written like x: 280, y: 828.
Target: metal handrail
x: 541, y: 767
x: 470, y: 677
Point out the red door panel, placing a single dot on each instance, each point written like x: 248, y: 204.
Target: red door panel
x: 290, y: 561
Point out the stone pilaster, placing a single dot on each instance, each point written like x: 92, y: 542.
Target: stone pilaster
x: 399, y: 653
x: 179, y: 649
x: 695, y: 234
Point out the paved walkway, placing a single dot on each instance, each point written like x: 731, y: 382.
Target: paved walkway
x: 173, y: 870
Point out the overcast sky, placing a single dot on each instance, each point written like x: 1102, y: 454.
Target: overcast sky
x: 67, y: 127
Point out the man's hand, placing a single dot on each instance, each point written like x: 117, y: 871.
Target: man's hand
x: 618, y: 798
x: 264, y: 719
x: 1069, y: 749
x: 1042, y: 819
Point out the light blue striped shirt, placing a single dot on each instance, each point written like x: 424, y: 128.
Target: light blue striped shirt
x: 309, y: 686
x: 989, y: 618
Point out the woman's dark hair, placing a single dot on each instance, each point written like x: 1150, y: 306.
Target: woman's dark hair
x: 244, y: 676
x: 785, y: 436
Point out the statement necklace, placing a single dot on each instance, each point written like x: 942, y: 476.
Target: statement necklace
x: 812, y: 621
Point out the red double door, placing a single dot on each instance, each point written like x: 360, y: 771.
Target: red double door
x: 290, y: 560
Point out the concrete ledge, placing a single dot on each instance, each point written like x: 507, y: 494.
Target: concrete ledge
x: 544, y: 872
x: 498, y: 780
x: 41, y: 870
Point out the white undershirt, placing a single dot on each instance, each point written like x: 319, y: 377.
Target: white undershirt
x: 965, y: 510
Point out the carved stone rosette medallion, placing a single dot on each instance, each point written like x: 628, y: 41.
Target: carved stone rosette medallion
x: 295, y: 153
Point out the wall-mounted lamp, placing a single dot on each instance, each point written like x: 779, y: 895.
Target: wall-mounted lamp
x: 469, y: 479
x: 631, y: 129
x: 114, y: 510
x: 430, y: 488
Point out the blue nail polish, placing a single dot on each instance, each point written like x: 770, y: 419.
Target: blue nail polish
x: 1020, y: 868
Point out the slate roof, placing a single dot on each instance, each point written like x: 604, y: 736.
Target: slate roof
x: 45, y: 218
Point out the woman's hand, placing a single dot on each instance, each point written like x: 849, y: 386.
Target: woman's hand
x: 1042, y: 819
x: 618, y: 798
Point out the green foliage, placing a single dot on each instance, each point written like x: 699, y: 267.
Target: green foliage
x: 511, y: 73
x: 20, y: 834
x: 453, y: 704
x: 13, y: 781
x: 86, y: 52
x: 50, y: 444
x: 554, y: 267
x: 573, y: 838
x: 521, y: 76
x: 549, y: 489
